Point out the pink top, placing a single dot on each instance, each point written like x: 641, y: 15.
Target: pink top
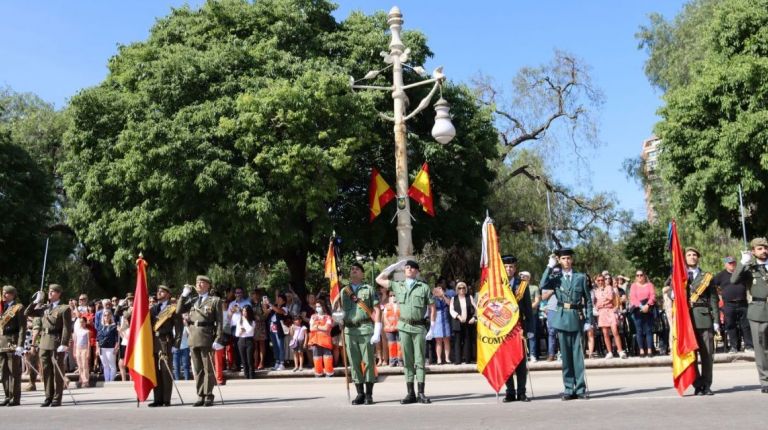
x: 604, y: 297
x: 639, y: 292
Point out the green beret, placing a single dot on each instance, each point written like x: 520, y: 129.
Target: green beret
x: 758, y: 241
x: 55, y: 287
x: 9, y: 289
x: 164, y: 288
x: 692, y: 249
x: 204, y: 279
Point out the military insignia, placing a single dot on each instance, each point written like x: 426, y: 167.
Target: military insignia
x: 496, y: 313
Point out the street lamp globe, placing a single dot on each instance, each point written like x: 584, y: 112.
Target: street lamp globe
x: 443, y: 130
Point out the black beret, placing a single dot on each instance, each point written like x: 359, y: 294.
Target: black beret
x: 412, y: 264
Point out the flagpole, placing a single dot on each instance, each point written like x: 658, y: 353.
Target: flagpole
x: 743, y: 223
x: 340, y: 321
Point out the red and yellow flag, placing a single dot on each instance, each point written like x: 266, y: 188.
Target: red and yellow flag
x: 331, y: 272
x: 379, y: 194
x: 421, y: 190
x: 499, y: 335
x: 684, y: 344
x: 139, y: 356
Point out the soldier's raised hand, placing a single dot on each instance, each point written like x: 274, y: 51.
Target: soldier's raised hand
x: 38, y: 297
x: 187, y: 290
x: 552, y: 261
x: 746, y: 257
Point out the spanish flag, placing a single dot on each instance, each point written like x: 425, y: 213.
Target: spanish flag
x: 499, y: 335
x: 138, y: 354
x: 379, y: 194
x: 331, y: 271
x: 684, y: 344
x: 421, y: 190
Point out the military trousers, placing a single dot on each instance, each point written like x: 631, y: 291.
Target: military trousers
x: 53, y: 380
x: 163, y: 371
x: 414, y: 345
x: 10, y: 371
x: 760, y: 339
x: 705, y: 357
x: 202, y: 363
x: 572, y: 354
x: 521, y: 373
x: 360, y: 353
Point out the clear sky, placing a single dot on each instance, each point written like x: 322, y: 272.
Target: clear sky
x: 54, y: 48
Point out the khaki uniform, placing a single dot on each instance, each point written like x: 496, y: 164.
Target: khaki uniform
x: 56, y: 331
x: 414, y: 302
x: 166, y: 337
x: 755, y: 277
x: 358, y: 328
x: 13, y: 327
x: 206, y: 325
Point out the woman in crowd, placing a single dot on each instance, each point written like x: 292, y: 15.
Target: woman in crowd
x: 82, y: 350
x: 441, y: 330
x: 277, y: 313
x: 462, y: 308
x: 259, y: 329
x: 320, y: 325
x: 642, y: 298
x: 606, y: 303
x: 107, y: 340
x: 245, y: 329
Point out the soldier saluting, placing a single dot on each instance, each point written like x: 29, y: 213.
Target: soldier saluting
x: 573, y: 302
x: 13, y: 330
x: 166, y: 326
x: 56, y: 319
x: 205, y: 334
x: 755, y: 277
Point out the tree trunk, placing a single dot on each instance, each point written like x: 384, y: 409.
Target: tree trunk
x: 296, y: 261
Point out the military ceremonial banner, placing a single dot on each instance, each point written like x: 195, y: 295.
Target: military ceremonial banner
x: 683, y: 337
x: 379, y: 194
x: 139, y: 355
x: 331, y: 273
x: 499, y: 336
x: 421, y: 190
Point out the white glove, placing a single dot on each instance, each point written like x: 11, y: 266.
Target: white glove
x: 430, y: 336
x: 62, y: 348
x: 746, y: 257
x: 717, y: 327
x: 187, y: 291
x: 392, y: 267
x: 19, y: 351
x: 530, y: 335
x: 587, y: 326
x: 121, y: 302
x: 376, y: 334
x: 38, y: 297
x: 552, y: 261
x: 217, y: 346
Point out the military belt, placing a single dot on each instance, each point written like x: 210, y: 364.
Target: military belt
x: 413, y: 322
x: 758, y: 299
x: 202, y: 323
x: 700, y: 305
x: 51, y: 331
x: 570, y: 306
x: 168, y: 334
x: 357, y: 323
x: 737, y: 302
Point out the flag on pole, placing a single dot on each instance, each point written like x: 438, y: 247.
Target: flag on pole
x: 331, y: 271
x: 499, y: 335
x: 684, y: 344
x: 139, y: 356
x: 379, y: 194
x: 421, y: 190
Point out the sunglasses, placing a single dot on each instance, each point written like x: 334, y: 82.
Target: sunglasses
x: 639, y: 274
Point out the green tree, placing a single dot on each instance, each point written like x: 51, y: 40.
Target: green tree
x: 227, y: 135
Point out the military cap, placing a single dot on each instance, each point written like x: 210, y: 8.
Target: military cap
x: 758, y: 241
x: 204, y: 279
x: 164, y: 288
x: 509, y: 259
x: 9, y: 289
x: 692, y: 249
x: 55, y: 287
x: 412, y: 264
x: 562, y: 252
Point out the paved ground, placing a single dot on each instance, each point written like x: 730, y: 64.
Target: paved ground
x: 621, y: 398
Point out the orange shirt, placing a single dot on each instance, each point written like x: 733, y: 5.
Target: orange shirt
x: 320, y: 331
x: 391, y: 315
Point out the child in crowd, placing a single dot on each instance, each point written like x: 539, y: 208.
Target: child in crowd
x: 298, y: 342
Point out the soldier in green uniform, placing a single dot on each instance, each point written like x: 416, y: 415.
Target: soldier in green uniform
x: 206, y: 330
x: 573, y: 302
x: 755, y: 277
x: 362, y: 330
x: 415, y: 298
x: 702, y: 299
x: 56, y: 331
x: 13, y: 330
x: 166, y: 326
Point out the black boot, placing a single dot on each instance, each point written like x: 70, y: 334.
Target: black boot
x: 410, y: 397
x: 360, y: 399
x: 369, y: 393
x: 422, y: 398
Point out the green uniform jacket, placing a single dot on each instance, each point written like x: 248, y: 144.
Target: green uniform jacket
x: 704, y: 311
x: 56, y: 324
x: 206, y: 320
x: 576, y: 293
x: 413, y: 302
x: 171, y: 328
x: 15, y: 330
x: 755, y: 277
x: 356, y: 321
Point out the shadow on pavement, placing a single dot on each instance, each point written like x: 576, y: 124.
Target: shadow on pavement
x: 597, y: 394
x: 739, y: 388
